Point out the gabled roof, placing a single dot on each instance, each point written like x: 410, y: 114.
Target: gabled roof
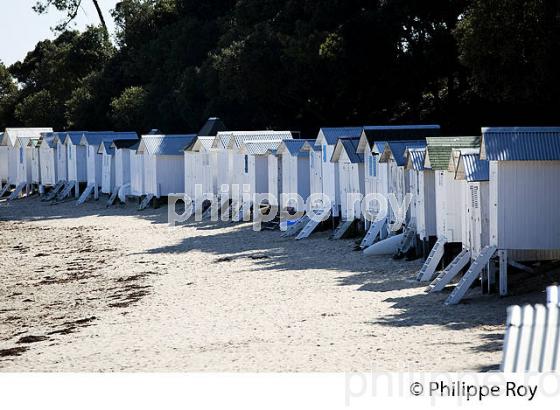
x: 397, y: 150
x: 456, y: 153
x: 521, y: 144
x: 332, y: 134
x: 239, y: 137
x: 48, y: 138
x: 373, y: 134
x: 71, y: 137
x: 212, y: 127
x: 165, y: 144
x: 200, y: 143
x: 11, y: 134
x: 96, y: 138
x: 221, y: 141
x: 349, y: 146
x: 471, y: 168
x: 310, y: 146
x: 293, y: 147
x: 125, y: 144
x: 259, y: 147
x: 33, y: 142
x: 106, y: 147
x: 439, y: 150
x: 415, y: 158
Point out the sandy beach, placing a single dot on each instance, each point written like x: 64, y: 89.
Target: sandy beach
x: 95, y: 289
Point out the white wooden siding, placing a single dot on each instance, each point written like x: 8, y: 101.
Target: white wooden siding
x: 61, y: 162
x: 449, y: 206
x: 137, y: 174
x: 48, y: 163
x: 4, y: 169
x: 524, y: 203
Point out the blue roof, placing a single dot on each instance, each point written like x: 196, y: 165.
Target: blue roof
x: 167, y: 144
x: 476, y: 169
x: 521, y: 144
x: 350, y: 146
x: 398, y: 149
x: 294, y: 146
x: 333, y: 134
x: 108, y: 145
x: 417, y: 156
x: 400, y: 132
x: 73, y: 136
x: 96, y: 138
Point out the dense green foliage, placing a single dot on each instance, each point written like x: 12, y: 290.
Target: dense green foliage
x: 296, y: 64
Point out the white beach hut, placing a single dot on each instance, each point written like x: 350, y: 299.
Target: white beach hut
x: 137, y: 187
x: 423, y: 189
x: 387, y: 176
x: 292, y: 170
x: 326, y: 140
x: 123, y: 153
x: 15, y: 160
x: 475, y: 172
x: 94, y: 160
x: 254, y: 174
x: 76, y: 161
x: 201, y: 160
x: 524, y: 170
x: 33, y: 146
x: 3, y: 162
x: 164, y: 164
x: 107, y: 153
x: 351, y: 177
x: 201, y: 168
x: 224, y: 161
x: 247, y: 158
x: 450, y: 197
x: 48, y: 159
x: 324, y: 176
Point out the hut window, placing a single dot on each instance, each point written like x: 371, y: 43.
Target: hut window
x: 205, y: 160
x: 324, y: 149
x: 21, y: 155
x: 246, y: 164
x: 70, y: 152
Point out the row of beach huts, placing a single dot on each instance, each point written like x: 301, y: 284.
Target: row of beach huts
x: 479, y: 205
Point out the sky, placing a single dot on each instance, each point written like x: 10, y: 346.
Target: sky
x: 22, y: 28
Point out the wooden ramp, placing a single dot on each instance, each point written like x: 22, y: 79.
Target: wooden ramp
x: 450, y: 272
x: 531, y: 340
x: 113, y: 197
x: 472, y: 274
x: 5, y: 189
x: 373, y: 233
x: 311, y: 225
x: 54, y: 191
x: 146, y: 202
x: 65, y: 193
x: 86, y: 194
x: 342, y: 228
x: 428, y: 270
x: 16, y: 193
x: 407, y: 242
x: 296, y: 227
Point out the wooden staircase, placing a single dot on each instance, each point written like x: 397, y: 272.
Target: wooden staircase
x: 472, y: 274
x: 430, y: 265
x: 450, y: 272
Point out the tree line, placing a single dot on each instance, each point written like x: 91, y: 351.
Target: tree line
x: 294, y: 64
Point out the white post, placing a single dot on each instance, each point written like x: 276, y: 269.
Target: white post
x: 552, y: 297
x: 503, y: 272
x: 77, y: 189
